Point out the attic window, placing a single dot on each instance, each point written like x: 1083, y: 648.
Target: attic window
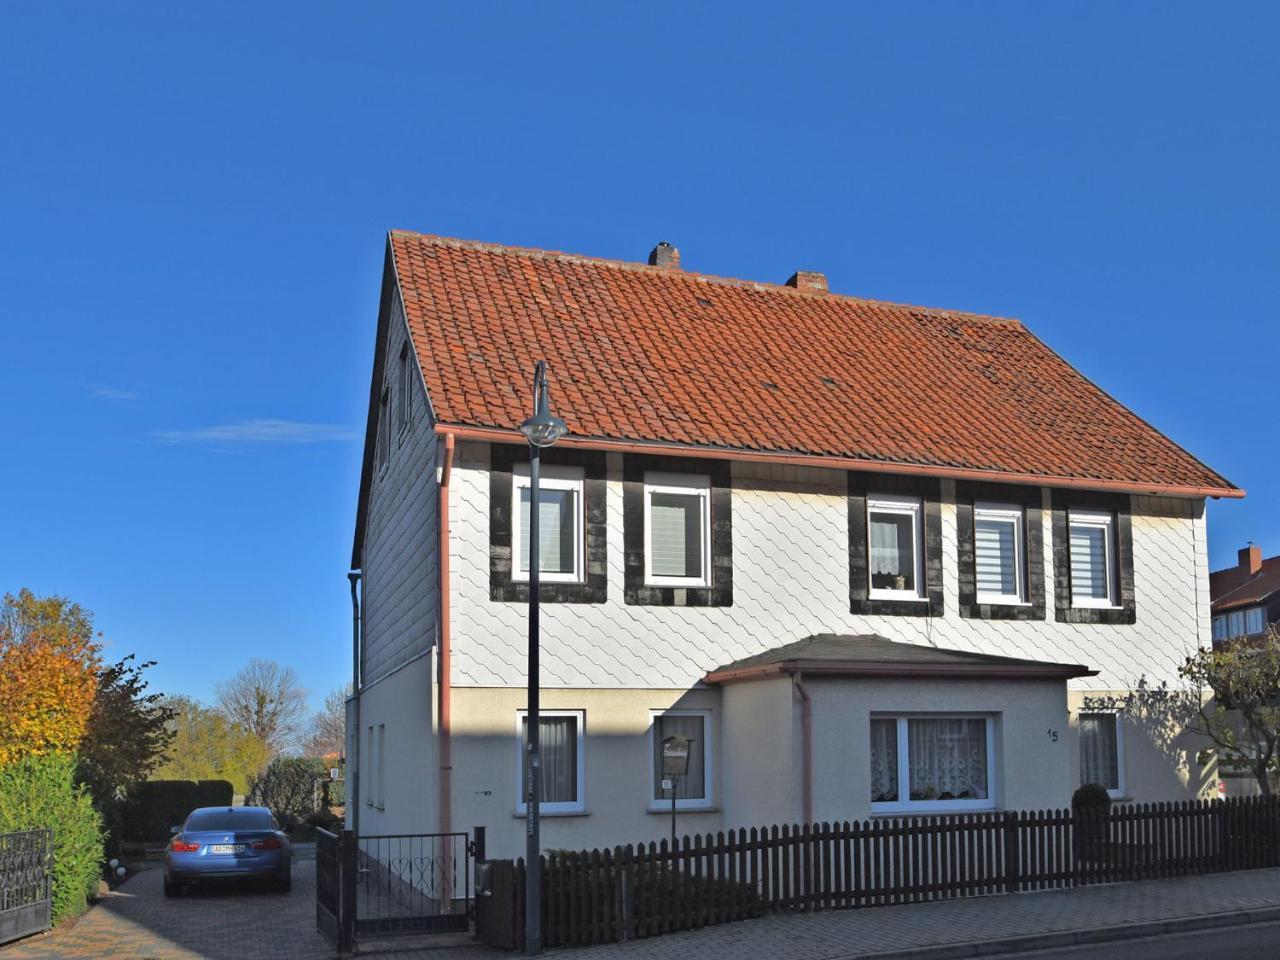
x: 829, y: 382
x: 384, y: 427
x: 405, y: 396
x: 704, y: 301
x: 770, y: 386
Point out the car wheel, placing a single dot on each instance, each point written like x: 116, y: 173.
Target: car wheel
x: 172, y: 889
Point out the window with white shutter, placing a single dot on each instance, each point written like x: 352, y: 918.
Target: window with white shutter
x: 1091, y: 536
x: 560, y: 527
x: 998, y: 553
x: 677, y: 530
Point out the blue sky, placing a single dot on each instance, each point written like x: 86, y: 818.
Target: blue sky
x: 194, y: 197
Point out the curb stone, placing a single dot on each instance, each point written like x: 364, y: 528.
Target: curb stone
x: 1071, y: 938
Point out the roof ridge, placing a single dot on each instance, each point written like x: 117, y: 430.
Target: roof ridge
x: 635, y: 266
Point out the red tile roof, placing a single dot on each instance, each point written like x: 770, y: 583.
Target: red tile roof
x: 659, y: 355
x: 1233, y: 587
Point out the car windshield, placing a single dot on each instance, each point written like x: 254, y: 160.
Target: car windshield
x: 223, y: 820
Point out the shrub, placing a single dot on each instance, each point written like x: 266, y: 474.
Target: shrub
x: 154, y: 806
x: 1091, y: 796
x: 290, y: 790
x: 38, y: 792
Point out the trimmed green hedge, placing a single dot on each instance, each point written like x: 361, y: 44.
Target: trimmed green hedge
x: 38, y: 792
x: 156, y: 805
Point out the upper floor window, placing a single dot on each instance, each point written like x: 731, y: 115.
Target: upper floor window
x: 406, y: 394
x: 1092, y: 545
x: 677, y: 530
x: 560, y: 527
x: 999, y: 553
x: 895, y: 553
x: 1239, y: 623
x: 384, y: 428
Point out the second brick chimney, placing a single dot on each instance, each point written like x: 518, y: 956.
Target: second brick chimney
x: 808, y: 280
x: 664, y: 255
x: 1251, y: 559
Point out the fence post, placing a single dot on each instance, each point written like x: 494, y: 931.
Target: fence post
x: 347, y: 897
x: 1012, y: 878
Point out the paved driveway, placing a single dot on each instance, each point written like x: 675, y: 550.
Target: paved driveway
x: 138, y: 923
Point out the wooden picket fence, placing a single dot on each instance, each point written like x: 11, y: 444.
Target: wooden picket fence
x: 595, y: 896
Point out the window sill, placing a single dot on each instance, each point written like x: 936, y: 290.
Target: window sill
x: 677, y: 585
x: 1076, y: 605
x: 546, y: 581
x: 659, y: 810
x: 904, y: 596
x: 1000, y: 601
x: 943, y: 807
x: 543, y: 813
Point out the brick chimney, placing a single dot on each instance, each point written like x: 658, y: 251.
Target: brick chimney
x: 664, y: 255
x: 808, y: 280
x: 1251, y: 559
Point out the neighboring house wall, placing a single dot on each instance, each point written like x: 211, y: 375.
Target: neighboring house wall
x: 790, y: 579
x: 399, y: 761
x: 401, y: 582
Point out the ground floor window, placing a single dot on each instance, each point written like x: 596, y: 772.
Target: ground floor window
x: 694, y: 789
x: 560, y: 745
x: 1100, y: 751
x: 931, y: 763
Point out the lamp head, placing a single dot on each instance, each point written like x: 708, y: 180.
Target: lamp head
x: 543, y: 428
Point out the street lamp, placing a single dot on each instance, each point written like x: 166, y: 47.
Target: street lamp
x: 541, y: 430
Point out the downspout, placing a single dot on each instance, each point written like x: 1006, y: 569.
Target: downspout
x: 806, y: 737
x: 446, y: 647
x: 353, y: 800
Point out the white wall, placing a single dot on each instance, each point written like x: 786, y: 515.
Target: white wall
x: 401, y: 584
x: 790, y: 558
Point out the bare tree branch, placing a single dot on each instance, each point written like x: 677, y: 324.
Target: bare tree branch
x: 266, y: 699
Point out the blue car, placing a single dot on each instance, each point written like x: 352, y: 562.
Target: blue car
x: 227, y: 843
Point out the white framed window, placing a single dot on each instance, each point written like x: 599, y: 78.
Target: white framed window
x: 1255, y: 621
x: 895, y: 548
x: 693, y: 791
x: 560, y: 523
x: 930, y: 762
x: 1092, y: 540
x: 999, y: 553
x: 382, y: 767
x: 677, y: 530
x: 1102, y: 751
x: 406, y: 395
x: 561, y: 744
x: 1220, y: 627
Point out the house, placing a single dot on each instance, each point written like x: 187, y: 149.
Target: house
x: 1246, y: 597
x: 872, y: 558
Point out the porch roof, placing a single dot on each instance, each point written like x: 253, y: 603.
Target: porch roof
x: 869, y: 655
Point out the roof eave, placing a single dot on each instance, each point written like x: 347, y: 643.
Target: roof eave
x: 873, y: 668
x: 503, y: 435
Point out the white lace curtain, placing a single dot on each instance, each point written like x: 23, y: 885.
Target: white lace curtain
x: 891, y: 544
x: 1098, y: 750
x: 947, y: 758
x: 884, y: 760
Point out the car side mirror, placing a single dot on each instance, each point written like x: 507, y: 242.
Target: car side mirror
x: 174, y: 831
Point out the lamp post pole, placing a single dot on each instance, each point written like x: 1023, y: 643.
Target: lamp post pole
x: 541, y: 430
x: 533, y: 777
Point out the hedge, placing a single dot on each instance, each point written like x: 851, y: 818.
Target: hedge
x: 39, y: 792
x: 156, y: 805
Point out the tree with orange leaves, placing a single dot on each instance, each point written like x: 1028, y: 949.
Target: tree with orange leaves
x: 49, y: 662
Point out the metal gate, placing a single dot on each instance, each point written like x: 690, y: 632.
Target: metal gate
x: 379, y: 886
x: 26, y: 863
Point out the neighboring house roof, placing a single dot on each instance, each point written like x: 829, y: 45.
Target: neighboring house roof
x: 656, y: 357
x: 1235, y: 587
x: 869, y: 655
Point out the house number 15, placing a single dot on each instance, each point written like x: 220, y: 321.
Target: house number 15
x: 1053, y: 735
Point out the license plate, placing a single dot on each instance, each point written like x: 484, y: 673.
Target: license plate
x: 227, y: 848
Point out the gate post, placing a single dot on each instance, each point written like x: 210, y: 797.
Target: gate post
x: 347, y: 897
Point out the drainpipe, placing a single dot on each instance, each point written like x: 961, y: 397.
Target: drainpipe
x: 806, y: 736
x: 353, y: 791
x: 446, y: 647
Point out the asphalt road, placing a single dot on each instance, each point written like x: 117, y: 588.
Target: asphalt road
x: 1252, y: 940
